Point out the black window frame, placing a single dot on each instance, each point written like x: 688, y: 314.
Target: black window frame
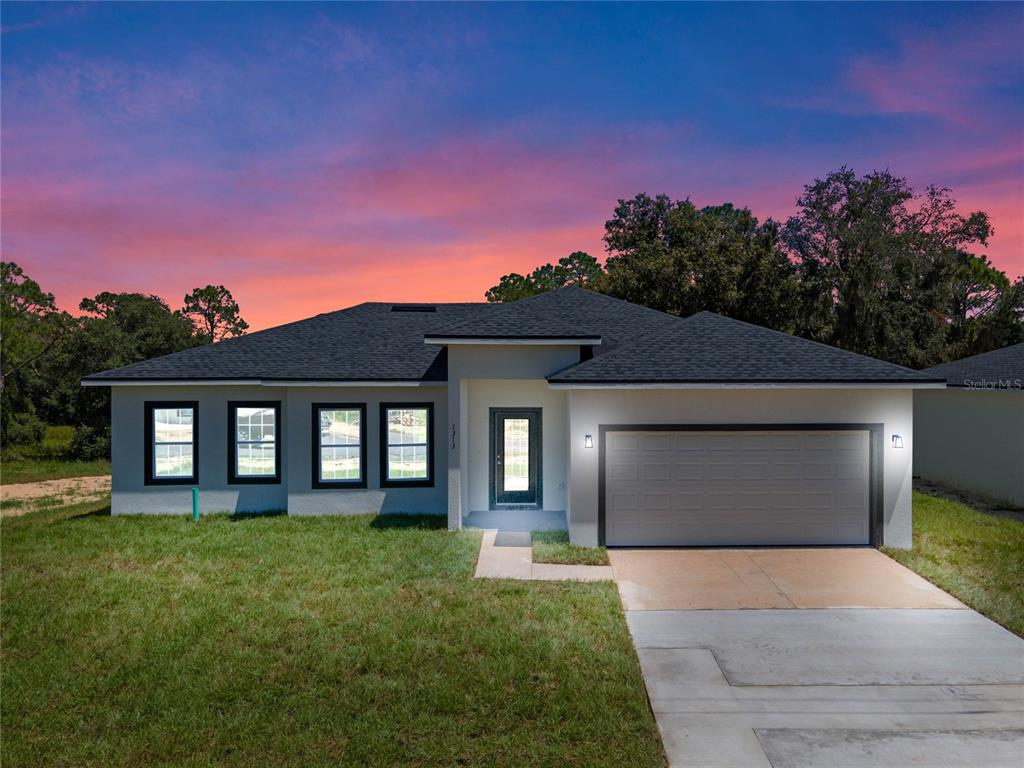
x: 149, y: 435
x: 233, y: 477
x: 385, y: 481
x: 317, y: 481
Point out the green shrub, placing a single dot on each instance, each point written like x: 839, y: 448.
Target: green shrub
x: 23, y: 428
x: 89, y: 444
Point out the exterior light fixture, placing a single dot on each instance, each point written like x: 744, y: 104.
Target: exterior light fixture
x: 897, y: 441
x: 588, y: 441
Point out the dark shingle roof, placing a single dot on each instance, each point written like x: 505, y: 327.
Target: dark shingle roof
x: 709, y: 348
x: 568, y: 313
x: 368, y: 342
x: 985, y: 370
x: 373, y: 342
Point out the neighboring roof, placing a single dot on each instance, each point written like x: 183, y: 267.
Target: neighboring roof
x: 568, y: 313
x: 383, y: 342
x: 1000, y: 369
x: 367, y: 342
x: 708, y: 348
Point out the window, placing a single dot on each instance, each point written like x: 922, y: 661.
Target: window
x: 406, y: 444
x: 339, y: 445
x: 253, y: 442
x: 172, y: 443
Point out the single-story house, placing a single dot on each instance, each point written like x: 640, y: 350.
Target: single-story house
x: 970, y: 436
x: 639, y: 427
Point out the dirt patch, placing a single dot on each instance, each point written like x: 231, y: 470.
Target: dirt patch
x: 980, y: 503
x: 19, y: 498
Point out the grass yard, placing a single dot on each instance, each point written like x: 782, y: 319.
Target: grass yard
x: 278, y: 641
x: 977, y: 558
x: 34, y: 470
x: 554, y: 547
x: 45, y: 460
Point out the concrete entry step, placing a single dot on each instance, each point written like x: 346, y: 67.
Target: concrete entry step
x: 515, y: 520
x: 512, y: 539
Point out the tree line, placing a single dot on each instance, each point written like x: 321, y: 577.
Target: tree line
x: 866, y: 264
x: 45, y: 352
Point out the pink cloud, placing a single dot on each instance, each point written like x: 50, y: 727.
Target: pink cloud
x: 940, y: 76
x: 924, y: 79
x: 345, y: 238
x: 55, y: 13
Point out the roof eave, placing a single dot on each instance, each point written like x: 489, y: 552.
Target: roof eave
x: 262, y: 382
x: 748, y: 384
x: 586, y: 341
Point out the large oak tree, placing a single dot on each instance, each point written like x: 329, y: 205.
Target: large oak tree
x: 892, y: 274
x: 682, y: 259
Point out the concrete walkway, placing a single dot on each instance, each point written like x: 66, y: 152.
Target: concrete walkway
x: 905, y: 682
x: 516, y: 562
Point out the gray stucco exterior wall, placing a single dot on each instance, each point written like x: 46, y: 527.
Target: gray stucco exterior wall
x: 303, y: 499
x: 506, y: 377
x: 294, y: 493
x: 590, y: 408
x: 482, y: 375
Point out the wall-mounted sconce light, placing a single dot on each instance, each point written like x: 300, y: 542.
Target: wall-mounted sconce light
x: 588, y: 441
x: 897, y: 441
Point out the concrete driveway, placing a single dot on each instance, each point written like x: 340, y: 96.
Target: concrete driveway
x: 826, y: 657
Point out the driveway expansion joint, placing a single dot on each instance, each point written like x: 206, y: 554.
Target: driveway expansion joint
x: 899, y: 673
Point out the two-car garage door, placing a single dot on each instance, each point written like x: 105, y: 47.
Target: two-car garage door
x: 736, y: 488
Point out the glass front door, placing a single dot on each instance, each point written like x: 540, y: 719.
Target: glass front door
x: 515, y: 444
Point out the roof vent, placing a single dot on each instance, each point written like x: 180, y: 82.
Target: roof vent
x: 413, y: 308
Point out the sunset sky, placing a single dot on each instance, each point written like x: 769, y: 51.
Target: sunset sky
x: 313, y: 156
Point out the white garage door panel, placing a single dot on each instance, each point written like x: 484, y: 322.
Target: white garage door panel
x: 736, y: 488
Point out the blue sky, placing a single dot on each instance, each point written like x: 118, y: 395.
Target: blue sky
x: 315, y: 155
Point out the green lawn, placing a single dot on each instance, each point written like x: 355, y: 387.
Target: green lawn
x: 45, y: 460
x: 310, y: 642
x: 31, y: 470
x: 977, y: 558
x: 554, y: 547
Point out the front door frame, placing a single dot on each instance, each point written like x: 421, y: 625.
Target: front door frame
x: 536, y: 457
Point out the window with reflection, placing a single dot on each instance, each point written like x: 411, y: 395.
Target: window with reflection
x: 171, y: 451
x: 255, y: 449
x: 339, y: 448
x: 406, y: 444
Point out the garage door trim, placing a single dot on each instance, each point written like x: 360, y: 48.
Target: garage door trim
x: 874, y: 459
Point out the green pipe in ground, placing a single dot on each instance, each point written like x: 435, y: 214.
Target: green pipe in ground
x: 195, y: 504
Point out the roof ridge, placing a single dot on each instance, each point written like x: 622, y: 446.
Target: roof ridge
x: 662, y: 338
x: 260, y: 332
x: 801, y: 338
x: 622, y: 348
x: 634, y: 304
x: 415, y: 303
x: 502, y: 309
x: 526, y: 305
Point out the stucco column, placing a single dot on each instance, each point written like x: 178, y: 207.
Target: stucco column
x: 454, y: 442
